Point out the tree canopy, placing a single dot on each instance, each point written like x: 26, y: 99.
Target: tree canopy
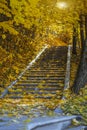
x: 25, y: 25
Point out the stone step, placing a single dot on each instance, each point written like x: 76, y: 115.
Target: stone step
x: 33, y: 95
x: 44, y: 97
x: 42, y: 81
x: 39, y: 72
x: 49, y: 66
x: 41, y: 84
x: 45, y: 78
x: 42, y: 74
x: 62, y: 122
x: 38, y: 89
x: 39, y: 97
x: 51, y: 62
x: 45, y: 72
x: 30, y: 92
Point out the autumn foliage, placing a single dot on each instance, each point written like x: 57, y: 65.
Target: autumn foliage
x: 23, y: 32
x: 25, y: 26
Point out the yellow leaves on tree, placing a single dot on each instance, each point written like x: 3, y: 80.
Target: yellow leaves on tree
x: 7, y: 26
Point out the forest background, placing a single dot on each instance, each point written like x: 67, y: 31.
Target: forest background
x: 27, y: 25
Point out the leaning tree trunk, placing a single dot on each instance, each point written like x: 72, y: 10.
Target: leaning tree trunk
x: 81, y: 77
x: 82, y: 31
x: 86, y: 26
x: 74, y: 40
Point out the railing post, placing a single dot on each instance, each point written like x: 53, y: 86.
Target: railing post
x: 67, y: 76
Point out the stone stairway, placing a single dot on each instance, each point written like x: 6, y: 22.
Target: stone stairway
x: 45, y: 79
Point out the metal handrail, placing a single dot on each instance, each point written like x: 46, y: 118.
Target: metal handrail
x: 21, y: 74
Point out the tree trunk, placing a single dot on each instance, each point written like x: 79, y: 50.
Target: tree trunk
x: 74, y: 41
x: 86, y: 26
x: 8, y: 3
x: 81, y: 77
x: 82, y: 32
